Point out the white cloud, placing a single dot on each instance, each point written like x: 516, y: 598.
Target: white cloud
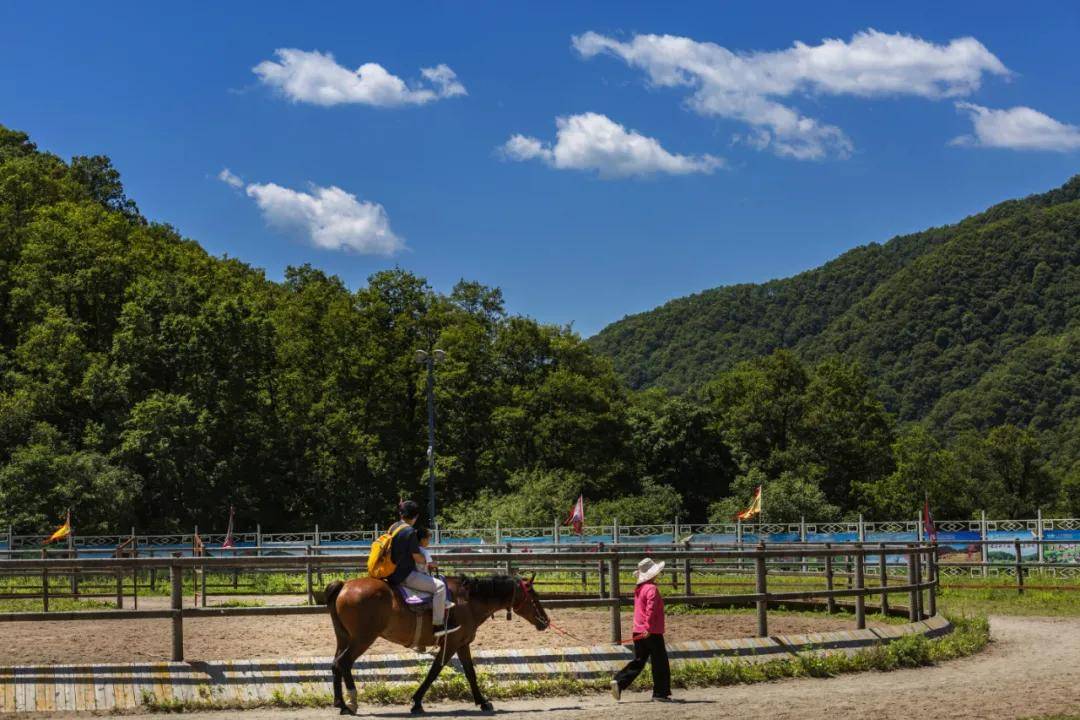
x: 1018, y: 128
x: 315, y: 77
x: 591, y: 141
x: 226, y: 176
x: 329, y: 217
x: 742, y: 86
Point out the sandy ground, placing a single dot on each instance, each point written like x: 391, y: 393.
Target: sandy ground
x: 24, y: 643
x: 1031, y: 669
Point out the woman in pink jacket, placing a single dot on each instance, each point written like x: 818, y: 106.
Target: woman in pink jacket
x: 648, y: 635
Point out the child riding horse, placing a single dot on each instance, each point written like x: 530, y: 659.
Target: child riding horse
x: 365, y: 609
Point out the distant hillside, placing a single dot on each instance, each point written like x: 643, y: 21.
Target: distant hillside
x: 938, y: 318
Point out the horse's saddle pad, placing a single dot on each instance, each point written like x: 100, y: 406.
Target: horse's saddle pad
x: 416, y: 600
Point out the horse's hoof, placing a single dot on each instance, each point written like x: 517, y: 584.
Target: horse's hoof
x: 487, y: 707
x: 417, y: 709
x: 346, y: 711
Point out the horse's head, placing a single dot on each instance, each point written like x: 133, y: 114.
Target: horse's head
x: 527, y: 603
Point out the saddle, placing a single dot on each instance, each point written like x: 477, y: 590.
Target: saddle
x: 417, y: 601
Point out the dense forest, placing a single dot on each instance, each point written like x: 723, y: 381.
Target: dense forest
x: 146, y: 383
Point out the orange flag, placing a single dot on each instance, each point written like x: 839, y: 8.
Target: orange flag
x: 61, y: 532
x: 754, y: 509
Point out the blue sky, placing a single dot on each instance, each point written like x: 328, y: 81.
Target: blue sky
x: 674, y: 170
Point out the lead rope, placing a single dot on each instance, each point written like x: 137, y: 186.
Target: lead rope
x: 570, y: 635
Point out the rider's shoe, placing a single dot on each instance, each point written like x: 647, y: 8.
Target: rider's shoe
x: 444, y: 631
x: 450, y: 605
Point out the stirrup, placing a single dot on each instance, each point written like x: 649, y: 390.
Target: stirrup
x: 446, y: 631
x: 450, y: 605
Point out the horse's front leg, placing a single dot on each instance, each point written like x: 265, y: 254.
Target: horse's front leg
x: 418, y: 696
x: 464, y: 653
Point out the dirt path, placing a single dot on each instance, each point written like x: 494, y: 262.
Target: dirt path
x: 1031, y: 669
x: 121, y: 641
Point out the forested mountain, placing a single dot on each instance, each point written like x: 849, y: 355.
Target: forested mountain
x: 144, y: 382
x: 969, y: 326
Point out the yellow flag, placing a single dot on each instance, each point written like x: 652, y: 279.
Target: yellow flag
x: 61, y: 532
x: 754, y: 509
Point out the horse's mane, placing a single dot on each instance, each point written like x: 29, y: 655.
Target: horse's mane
x: 490, y: 587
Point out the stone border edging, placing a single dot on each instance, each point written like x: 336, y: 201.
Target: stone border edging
x: 89, y: 687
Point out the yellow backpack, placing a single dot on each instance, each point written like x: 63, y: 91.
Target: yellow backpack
x: 379, y: 563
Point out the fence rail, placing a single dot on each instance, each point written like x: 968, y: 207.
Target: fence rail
x: 950, y: 532
x: 609, y: 564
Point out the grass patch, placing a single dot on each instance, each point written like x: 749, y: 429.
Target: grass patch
x: 970, y: 636
x: 992, y: 601
x: 55, y: 605
x: 238, y: 604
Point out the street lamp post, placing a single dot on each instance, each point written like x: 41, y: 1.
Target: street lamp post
x: 429, y: 359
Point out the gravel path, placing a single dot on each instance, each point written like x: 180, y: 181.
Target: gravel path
x: 1030, y: 669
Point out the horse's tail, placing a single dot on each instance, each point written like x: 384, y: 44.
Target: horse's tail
x: 332, y: 591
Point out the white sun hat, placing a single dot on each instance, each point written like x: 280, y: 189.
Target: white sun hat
x: 647, y: 570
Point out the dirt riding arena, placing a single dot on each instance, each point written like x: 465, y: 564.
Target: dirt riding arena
x: 1030, y: 670
x: 230, y: 638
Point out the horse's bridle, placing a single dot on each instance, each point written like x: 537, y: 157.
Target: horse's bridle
x: 528, y: 594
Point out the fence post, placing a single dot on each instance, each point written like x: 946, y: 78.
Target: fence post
x: 616, y: 605
x: 258, y: 539
x: 74, y: 573
x: 603, y: 573
x: 860, y: 578
x: 830, y: 601
x: 862, y: 529
x: 44, y: 586
x: 307, y: 572
x: 318, y: 541
x: 919, y: 579
x: 176, y: 577
x: 913, y: 594
x: 1039, y: 536
x: 135, y: 573
x: 195, y: 572
x: 1019, y: 568
x: 761, y: 589
x: 202, y: 584
x: 119, y: 589
x: 615, y: 531
x: 687, y: 572
x: 883, y: 570
x: 498, y: 533
x: 985, y: 549
x: 802, y: 539
x: 932, y: 568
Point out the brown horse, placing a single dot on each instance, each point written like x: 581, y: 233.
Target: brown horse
x: 365, y: 609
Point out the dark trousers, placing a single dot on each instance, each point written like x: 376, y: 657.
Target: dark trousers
x: 653, y: 650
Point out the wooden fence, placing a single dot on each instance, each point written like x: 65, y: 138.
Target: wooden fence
x: 610, y: 564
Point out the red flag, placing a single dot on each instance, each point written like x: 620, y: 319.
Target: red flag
x: 228, y: 542
x: 929, y: 531
x: 577, y: 516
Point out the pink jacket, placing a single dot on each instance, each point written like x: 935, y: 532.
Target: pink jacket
x: 648, y: 610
